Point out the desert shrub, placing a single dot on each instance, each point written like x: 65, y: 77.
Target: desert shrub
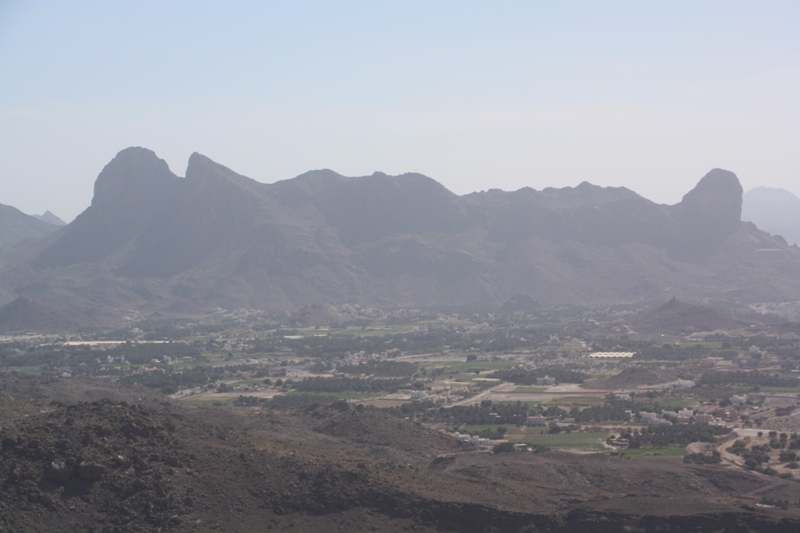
x: 788, y: 455
x: 523, y: 376
x: 503, y: 447
x: 703, y: 459
x: 762, y: 379
x: 492, y: 433
x: 782, y: 504
x: 391, y: 369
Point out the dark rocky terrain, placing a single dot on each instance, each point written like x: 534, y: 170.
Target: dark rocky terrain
x: 152, y: 242
x: 133, y: 463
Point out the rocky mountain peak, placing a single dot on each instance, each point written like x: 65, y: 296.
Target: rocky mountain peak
x: 203, y: 169
x: 201, y: 166
x: 219, y: 238
x: 50, y: 218
x: 134, y: 175
x: 707, y: 215
x: 717, y: 197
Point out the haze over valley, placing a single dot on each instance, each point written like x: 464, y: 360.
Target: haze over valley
x: 337, y: 329
x: 523, y: 267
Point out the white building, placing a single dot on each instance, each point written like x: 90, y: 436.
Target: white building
x: 611, y: 355
x: 537, y: 421
x: 703, y: 418
x: 738, y: 401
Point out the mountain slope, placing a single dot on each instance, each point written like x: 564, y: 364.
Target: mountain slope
x: 675, y: 318
x: 774, y: 210
x: 50, y: 218
x: 24, y: 315
x: 152, y: 241
x: 16, y: 226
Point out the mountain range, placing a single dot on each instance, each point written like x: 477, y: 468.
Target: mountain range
x: 774, y: 210
x: 50, y: 218
x: 153, y: 242
x: 16, y: 226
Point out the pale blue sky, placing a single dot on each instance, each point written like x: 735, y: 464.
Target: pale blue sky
x: 643, y: 94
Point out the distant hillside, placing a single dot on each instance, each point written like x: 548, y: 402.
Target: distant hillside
x: 776, y: 211
x: 631, y: 378
x: 520, y: 303
x: 50, y: 218
x: 23, y: 315
x: 155, y: 242
x: 16, y: 226
x: 676, y: 318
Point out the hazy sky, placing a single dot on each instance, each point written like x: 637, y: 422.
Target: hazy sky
x: 644, y: 94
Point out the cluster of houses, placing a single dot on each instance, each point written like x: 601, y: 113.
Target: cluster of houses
x: 651, y: 418
x: 718, y: 417
x: 473, y: 439
x: 738, y: 401
x: 440, y: 397
x: 538, y: 420
x: 619, y: 442
x: 715, y: 418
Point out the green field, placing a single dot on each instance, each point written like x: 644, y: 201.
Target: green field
x: 529, y: 405
x: 483, y: 427
x: 482, y: 365
x: 210, y: 400
x: 36, y: 369
x: 671, y: 404
x: 351, y: 332
x: 218, y: 359
x: 779, y: 389
x: 339, y: 395
x: 566, y: 440
x: 713, y: 345
x: 529, y: 389
x: 649, y: 453
x: 247, y: 382
x: 577, y: 401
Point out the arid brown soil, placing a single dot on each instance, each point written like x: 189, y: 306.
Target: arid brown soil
x: 119, y: 465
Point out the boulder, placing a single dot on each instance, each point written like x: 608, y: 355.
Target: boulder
x: 58, y: 472
x: 91, y: 471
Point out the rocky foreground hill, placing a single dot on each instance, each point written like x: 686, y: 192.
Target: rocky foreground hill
x: 152, y: 242
x: 83, y: 456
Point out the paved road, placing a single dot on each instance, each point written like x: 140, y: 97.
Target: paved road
x: 477, y: 397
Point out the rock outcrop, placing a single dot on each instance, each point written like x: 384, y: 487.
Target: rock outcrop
x: 707, y: 215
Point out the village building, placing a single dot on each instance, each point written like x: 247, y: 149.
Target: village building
x: 738, y: 401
